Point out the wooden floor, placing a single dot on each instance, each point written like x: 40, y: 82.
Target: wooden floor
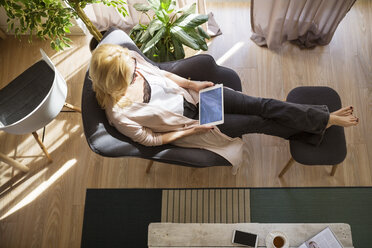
x: 45, y: 207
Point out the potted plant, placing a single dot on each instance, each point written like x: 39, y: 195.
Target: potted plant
x: 52, y: 18
x: 162, y: 39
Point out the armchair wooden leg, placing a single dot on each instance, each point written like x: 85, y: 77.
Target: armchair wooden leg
x: 42, y: 146
x: 287, y: 166
x: 149, y: 165
x: 13, y: 163
x: 74, y: 108
x: 334, y: 167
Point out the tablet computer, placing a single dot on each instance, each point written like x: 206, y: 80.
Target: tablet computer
x: 211, y: 105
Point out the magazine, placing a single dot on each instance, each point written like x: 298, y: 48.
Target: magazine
x: 324, y: 239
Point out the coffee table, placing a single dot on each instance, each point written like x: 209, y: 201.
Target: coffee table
x: 220, y: 235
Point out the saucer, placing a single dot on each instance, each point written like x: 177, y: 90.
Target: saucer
x: 270, y: 237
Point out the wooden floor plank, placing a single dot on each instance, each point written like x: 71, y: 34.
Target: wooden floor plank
x: 56, y: 193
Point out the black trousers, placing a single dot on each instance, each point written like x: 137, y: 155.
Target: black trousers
x: 246, y: 114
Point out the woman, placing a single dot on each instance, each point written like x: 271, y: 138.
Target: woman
x: 155, y: 107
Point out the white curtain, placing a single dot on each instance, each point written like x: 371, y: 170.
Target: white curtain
x: 307, y: 23
x: 104, y: 17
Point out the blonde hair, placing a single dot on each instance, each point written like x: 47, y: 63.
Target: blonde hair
x: 111, y: 71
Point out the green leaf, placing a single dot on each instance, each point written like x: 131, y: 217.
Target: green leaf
x: 192, y: 21
x: 154, y: 26
x: 171, y: 7
x: 145, y: 37
x: 190, y: 10
x: 137, y: 27
x: 136, y: 32
x: 179, y: 52
x: 66, y: 39
x: 154, y: 40
x: 186, y: 13
x: 165, y: 15
x: 203, y: 33
x: 142, y: 7
x: 184, y: 38
x: 16, y: 6
x: 151, y: 54
x: 162, y: 53
x: 53, y: 45
x: 165, y: 4
x: 119, y: 5
x: 137, y: 38
x: 199, y: 39
x: 171, y: 56
x: 162, y: 16
x: 155, y: 4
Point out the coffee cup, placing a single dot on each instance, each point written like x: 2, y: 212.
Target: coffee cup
x: 277, y: 240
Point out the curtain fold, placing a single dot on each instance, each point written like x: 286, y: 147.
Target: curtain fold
x: 307, y: 23
x: 104, y: 17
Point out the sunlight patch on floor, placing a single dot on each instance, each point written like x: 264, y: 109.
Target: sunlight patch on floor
x: 41, y: 188
x: 201, y: 51
x: 58, y: 137
x: 230, y: 53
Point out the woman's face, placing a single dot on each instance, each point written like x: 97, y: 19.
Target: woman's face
x: 135, y: 89
x: 134, y: 71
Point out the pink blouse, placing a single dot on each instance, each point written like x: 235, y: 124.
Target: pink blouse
x: 144, y: 123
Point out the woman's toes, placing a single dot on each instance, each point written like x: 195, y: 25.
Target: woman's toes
x: 354, y: 120
x: 348, y: 112
x: 345, y: 111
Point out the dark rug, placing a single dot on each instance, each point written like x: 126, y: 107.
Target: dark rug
x: 317, y: 205
x: 120, y: 217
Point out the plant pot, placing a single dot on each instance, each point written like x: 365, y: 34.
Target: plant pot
x: 94, y: 43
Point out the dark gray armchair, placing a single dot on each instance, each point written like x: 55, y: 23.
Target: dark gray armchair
x: 105, y: 140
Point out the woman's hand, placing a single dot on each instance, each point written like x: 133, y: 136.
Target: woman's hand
x: 187, y: 83
x: 175, y: 135
x: 201, y: 129
x: 199, y: 85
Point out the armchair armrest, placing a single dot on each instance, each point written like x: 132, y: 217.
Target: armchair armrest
x: 203, y: 68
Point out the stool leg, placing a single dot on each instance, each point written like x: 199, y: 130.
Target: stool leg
x: 42, y: 146
x: 13, y: 163
x: 334, y: 167
x: 287, y: 166
x: 149, y: 165
x: 70, y: 106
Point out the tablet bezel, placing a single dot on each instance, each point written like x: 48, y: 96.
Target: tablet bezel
x: 216, y: 86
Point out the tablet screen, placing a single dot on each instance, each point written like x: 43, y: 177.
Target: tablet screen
x: 211, y: 105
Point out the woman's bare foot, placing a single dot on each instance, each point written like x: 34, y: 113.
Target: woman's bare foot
x: 343, y: 121
x: 344, y: 111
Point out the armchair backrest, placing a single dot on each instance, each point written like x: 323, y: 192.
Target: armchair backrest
x: 105, y: 140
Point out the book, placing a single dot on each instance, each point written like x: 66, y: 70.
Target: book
x: 325, y: 239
